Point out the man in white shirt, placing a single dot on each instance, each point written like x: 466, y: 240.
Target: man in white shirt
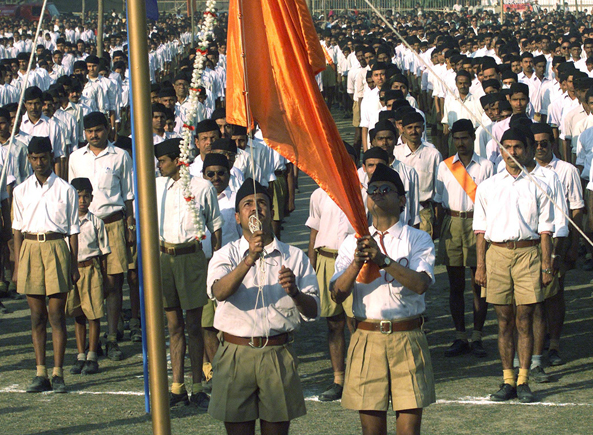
x: 370, y: 104
x: 35, y: 123
x: 389, y: 342
x: 183, y: 267
x: 457, y: 180
x: 515, y: 216
x: 329, y: 227
x: 425, y: 159
x: 45, y: 214
x: 256, y: 376
x: 110, y: 171
x: 467, y: 108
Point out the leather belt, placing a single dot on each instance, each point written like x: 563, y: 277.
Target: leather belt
x: 327, y: 254
x: 113, y: 217
x: 516, y: 244
x: 43, y: 237
x: 460, y: 214
x: 258, y: 342
x: 181, y: 250
x: 86, y: 263
x: 389, y: 326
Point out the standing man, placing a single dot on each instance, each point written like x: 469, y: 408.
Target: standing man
x: 255, y: 374
x: 514, y: 216
x: 425, y: 159
x: 45, y: 213
x: 110, y: 170
x: 329, y: 227
x: 457, y: 180
x: 388, y: 355
x: 183, y: 266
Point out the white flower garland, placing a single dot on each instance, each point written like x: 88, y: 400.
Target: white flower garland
x: 184, y: 147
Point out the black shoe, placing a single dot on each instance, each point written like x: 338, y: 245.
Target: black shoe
x: 4, y: 310
x: 200, y: 401
x: 39, y: 385
x: 207, y: 386
x: 537, y: 374
x: 178, y: 399
x: 459, y: 347
x: 76, y: 368
x: 554, y: 358
x: 113, y: 352
x: 506, y: 392
x: 58, y: 385
x: 90, y: 367
x: 136, y: 335
x: 478, y: 349
x: 332, y: 393
x: 12, y: 294
x: 524, y: 394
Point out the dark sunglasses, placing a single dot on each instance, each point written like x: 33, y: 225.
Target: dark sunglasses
x: 211, y: 174
x: 379, y: 190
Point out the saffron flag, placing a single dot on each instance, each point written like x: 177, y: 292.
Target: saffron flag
x: 277, y: 41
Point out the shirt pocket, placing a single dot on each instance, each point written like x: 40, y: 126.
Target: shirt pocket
x: 107, y: 181
x: 57, y: 213
x: 527, y: 207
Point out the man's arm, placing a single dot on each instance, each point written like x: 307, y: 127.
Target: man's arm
x: 18, y: 241
x: 546, y: 244
x: 481, y: 257
x: 73, y: 239
x: 226, y: 286
x: 6, y: 221
x: 130, y: 220
x: 290, y: 181
x: 311, y: 252
x: 217, y: 240
x: 306, y: 304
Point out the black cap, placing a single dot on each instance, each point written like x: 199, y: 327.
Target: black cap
x: 375, y: 153
x: 181, y: 76
x: 385, y: 173
x: 123, y: 142
x: 167, y: 92
x: 167, y: 147
x: 519, y: 88
x: 32, y: 93
x: 80, y: 64
x: 219, y: 113
x: 39, y: 144
x: 207, y: 125
x: 82, y: 184
x: 247, y: 189
x: 215, y: 159
x: 463, y: 125
x: 92, y: 59
x: 514, y: 133
x: 411, y: 118
x: 540, y: 127
x: 94, y: 119
x: 224, y: 145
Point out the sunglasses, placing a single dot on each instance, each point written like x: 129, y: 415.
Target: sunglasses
x: 211, y: 174
x: 379, y: 190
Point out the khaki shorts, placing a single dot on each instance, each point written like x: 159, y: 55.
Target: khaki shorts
x: 253, y: 383
x: 325, y: 268
x: 86, y: 298
x: 380, y: 366
x: 208, y: 314
x: 457, y: 244
x: 513, y: 275
x: 121, y: 256
x: 44, y: 268
x: 279, y: 191
x: 183, y: 279
x: 427, y: 220
x: 328, y: 76
x: 355, y: 114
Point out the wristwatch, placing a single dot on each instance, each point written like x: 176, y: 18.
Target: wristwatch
x: 548, y: 271
x: 386, y: 263
x: 132, y: 227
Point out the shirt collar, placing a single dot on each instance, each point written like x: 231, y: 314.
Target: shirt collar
x: 268, y: 249
x: 226, y: 193
x: 49, y: 182
x: 109, y: 149
x: 474, y: 158
x: 394, y: 231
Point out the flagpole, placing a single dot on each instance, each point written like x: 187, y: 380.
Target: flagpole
x: 144, y: 151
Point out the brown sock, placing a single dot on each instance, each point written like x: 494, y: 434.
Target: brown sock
x: 339, y: 378
x: 508, y: 376
x: 58, y: 372
x: 41, y: 372
x: 523, y: 377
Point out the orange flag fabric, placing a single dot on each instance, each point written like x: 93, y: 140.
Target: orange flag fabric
x: 463, y: 178
x: 282, y: 56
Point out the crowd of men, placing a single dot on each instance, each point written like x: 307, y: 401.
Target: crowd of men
x: 472, y: 132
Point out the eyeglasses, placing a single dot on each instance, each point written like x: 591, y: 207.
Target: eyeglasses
x: 379, y: 190
x: 210, y: 174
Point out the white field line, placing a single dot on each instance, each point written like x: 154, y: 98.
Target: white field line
x: 461, y: 401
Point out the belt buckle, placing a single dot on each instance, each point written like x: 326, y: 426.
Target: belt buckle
x: 511, y: 244
x: 386, y: 322
x: 253, y: 341
x: 172, y: 252
x: 463, y: 214
x: 41, y: 239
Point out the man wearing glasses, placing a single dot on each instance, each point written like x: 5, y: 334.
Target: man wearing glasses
x: 388, y: 355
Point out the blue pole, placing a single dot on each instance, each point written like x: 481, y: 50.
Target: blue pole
x: 139, y: 262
